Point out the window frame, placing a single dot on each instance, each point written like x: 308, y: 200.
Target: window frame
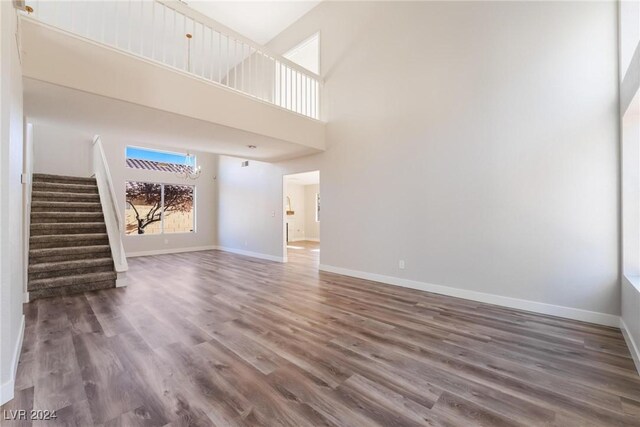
x: 162, y: 216
x: 174, y: 153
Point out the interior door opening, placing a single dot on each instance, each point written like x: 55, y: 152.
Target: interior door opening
x: 301, y: 218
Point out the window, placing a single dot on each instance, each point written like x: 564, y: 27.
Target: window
x: 164, y: 161
x: 317, y: 207
x: 307, y: 54
x: 159, y: 208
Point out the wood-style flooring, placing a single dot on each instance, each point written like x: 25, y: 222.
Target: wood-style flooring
x: 212, y: 338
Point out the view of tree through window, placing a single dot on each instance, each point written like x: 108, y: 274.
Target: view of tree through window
x: 158, y: 208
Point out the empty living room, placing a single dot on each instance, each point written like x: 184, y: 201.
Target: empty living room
x: 319, y: 213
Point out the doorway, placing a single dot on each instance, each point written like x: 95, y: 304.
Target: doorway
x: 301, y: 218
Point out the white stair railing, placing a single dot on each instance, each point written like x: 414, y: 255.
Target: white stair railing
x: 112, y: 217
x: 170, y: 33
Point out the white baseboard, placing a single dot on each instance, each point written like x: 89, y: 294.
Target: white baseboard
x: 251, y: 254
x: 7, y: 388
x: 171, y: 251
x: 633, y: 346
x: 536, y: 307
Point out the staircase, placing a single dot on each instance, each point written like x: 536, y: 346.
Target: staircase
x: 68, y: 247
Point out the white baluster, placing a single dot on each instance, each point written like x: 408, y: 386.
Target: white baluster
x: 242, y: 83
x: 219, y: 61
x: 185, y: 31
x: 235, y: 63
x: 227, y: 55
x: 142, y: 28
x: 153, y: 30
x: 130, y: 22
x: 202, y: 58
x: 211, y: 56
x: 251, y: 73
x: 175, y: 37
x: 163, y: 41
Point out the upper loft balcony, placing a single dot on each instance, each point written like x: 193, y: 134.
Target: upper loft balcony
x: 165, y: 56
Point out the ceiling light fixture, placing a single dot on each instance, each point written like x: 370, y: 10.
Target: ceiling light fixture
x: 187, y: 171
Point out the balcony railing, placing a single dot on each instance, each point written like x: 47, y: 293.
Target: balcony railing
x: 161, y: 31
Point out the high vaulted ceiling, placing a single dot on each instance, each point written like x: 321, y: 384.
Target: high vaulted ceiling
x: 259, y: 21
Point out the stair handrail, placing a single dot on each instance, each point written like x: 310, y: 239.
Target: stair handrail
x: 183, y: 9
x: 109, y: 202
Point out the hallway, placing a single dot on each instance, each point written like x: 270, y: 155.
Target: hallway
x: 304, y: 252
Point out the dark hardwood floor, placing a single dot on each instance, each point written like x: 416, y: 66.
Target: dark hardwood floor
x: 212, y: 338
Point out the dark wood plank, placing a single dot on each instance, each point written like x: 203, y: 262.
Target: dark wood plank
x: 216, y: 339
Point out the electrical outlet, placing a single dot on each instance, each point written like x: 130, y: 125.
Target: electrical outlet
x: 401, y: 264
x: 166, y: 241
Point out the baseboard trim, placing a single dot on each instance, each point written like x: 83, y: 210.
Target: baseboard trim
x: 533, y: 306
x: 7, y: 388
x: 633, y: 346
x: 171, y: 251
x: 251, y: 254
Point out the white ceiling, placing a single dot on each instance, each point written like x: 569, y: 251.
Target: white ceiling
x: 304, y: 178
x: 94, y: 114
x: 259, y: 21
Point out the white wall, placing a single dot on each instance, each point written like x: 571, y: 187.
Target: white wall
x: 311, y: 226
x: 11, y: 193
x: 251, y: 205
x: 55, y: 145
x: 61, y: 150
x: 476, y: 141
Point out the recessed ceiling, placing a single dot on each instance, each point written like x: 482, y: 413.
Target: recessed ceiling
x: 259, y: 21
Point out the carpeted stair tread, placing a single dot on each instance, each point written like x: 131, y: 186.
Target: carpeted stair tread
x: 66, y: 240
x: 71, y: 253
x: 54, y: 206
x: 70, y: 265
x: 41, y: 177
x: 66, y: 217
x: 63, y: 187
x: 66, y: 228
x: 69, y: 248
x: 51, y: 206
x: 65, y: 281
x: 51, y: 274
x: 71, y: 289
x: 42, y: 196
